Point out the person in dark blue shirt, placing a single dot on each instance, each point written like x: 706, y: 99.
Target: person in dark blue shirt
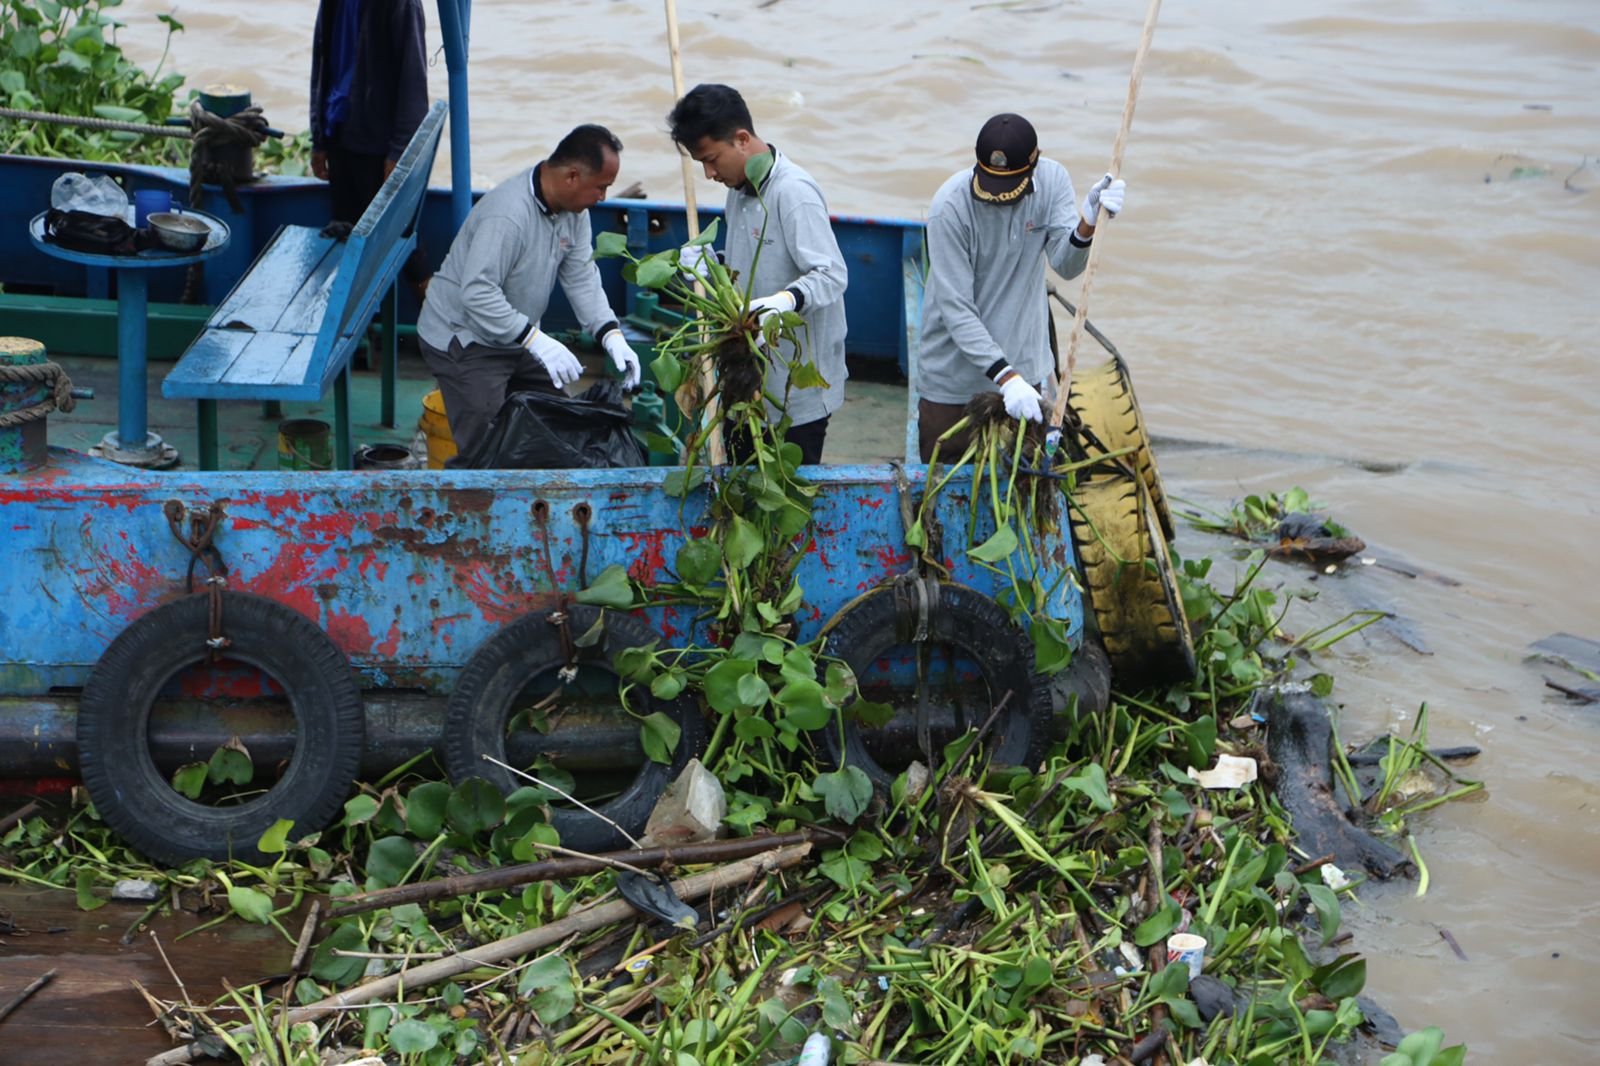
x: 369, y: 92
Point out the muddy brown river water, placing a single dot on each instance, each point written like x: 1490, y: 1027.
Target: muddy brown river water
x: 1359, y: 255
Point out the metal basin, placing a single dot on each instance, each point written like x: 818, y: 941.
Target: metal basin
x: 179, y: 233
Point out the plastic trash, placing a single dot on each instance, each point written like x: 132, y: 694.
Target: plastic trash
x: 816, y: 1051
x: 135, y: 890
x: 554, y: 431
x: 1231, y: 771
x: 97, y: 194
x: 690, y: 811
x: 654, y: 896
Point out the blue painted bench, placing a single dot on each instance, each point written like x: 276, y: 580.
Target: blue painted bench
x: 290, y: 326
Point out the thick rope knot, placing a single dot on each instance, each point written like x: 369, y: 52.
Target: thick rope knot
x: 60, y: 398
x: 245, y: 127
x: 217, y: 142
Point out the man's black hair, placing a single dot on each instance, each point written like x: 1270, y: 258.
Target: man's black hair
x: 715, y: 111
x: 586, y: 147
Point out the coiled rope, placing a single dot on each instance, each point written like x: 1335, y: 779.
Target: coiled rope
x: 51, y: 374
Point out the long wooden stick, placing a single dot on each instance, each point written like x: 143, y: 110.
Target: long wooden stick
x: 555, y: 869
x: 21, y: 997
x: 25, y: 811
x: 1070, y: 357
x: 584, y: 921
x: 708, y: 374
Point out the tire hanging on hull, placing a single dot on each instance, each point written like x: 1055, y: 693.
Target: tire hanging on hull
x: 113, y: 728
x: 971, y: 623
x: 520, y: 653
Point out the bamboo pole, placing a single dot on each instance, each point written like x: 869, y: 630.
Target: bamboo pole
x: 554, y: 869
x: 1069, y: 359
x: 708, y: 375
x: 431, y: 973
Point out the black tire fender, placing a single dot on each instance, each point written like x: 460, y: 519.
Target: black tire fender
x: 113, y: 726
x: 971, y: 622
x: 475, y: 724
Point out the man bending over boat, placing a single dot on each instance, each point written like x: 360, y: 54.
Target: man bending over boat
x: 799, y: 267
x: 985, y: 319
x: 479, y: 327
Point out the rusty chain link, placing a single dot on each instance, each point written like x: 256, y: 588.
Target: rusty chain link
x: 199, y: 539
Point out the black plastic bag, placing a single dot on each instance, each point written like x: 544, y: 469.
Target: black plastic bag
x: 83, y: 231
x: 554, y: 431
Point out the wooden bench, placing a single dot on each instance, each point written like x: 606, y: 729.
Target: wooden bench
x: 290, y: 326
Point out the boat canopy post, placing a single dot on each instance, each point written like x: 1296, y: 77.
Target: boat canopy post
x: 455, y: 26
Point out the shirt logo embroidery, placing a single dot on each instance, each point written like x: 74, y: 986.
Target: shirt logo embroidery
x: 566, y: 244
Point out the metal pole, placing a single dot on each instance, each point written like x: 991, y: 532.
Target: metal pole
x: 454, y: 27
x: 133, y: 295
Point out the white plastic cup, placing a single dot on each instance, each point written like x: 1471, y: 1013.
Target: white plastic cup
x: 1189, y: 950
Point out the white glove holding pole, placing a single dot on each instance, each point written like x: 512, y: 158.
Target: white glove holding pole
x: 777, y: 302
x: 1021, y: 399
x: 556, y: 358
x: 1107, y: 193
x: 694, y: 262
x: 623, y: 358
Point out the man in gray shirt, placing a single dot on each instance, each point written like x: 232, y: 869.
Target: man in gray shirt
x: 985, y: 320
x: 479, y: 327
x: 799, y: 268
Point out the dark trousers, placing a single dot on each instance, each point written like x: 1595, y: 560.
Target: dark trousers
x: 475, y: 380
x: 932, y: 421
x: 809, y: 438
x: 353, y: 180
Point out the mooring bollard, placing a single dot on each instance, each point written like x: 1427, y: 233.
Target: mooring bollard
x: 27, y: 391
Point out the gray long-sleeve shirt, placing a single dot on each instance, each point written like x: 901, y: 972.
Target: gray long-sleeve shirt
x: 800, y: 254
x: 985, y: 299
x: 497, y: 279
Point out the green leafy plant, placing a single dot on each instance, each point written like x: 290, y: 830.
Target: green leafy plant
x: 1257, y: 517
x: 62, y: 56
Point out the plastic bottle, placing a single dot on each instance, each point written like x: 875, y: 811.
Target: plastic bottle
x: 816, y: 1051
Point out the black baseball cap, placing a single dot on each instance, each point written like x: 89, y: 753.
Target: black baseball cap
x: 1007, y: 151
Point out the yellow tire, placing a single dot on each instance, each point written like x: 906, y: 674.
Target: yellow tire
x: 1129, y: 580
x: 1103, y: 398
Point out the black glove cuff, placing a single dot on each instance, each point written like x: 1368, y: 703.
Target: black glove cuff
x: 997, y: 370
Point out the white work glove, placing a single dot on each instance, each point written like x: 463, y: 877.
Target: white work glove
x: 1106, y: 193
x: 766, y: 305
x: 623, y: 358
x: 694, y: 261
x: 556, y: 358
x: 1022, y: 399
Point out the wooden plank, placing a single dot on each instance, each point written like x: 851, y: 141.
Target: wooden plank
x: 290, y: 326
x: 262, y: 366
x: 313, y: 302
x: 206, y: 361
x: 274, y: 281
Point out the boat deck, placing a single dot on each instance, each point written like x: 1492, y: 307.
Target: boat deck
x: 870, y: 428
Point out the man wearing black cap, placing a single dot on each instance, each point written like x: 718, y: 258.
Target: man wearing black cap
x: 985, y: 322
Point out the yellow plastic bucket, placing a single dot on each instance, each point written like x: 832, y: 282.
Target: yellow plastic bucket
x: 441, y: 445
